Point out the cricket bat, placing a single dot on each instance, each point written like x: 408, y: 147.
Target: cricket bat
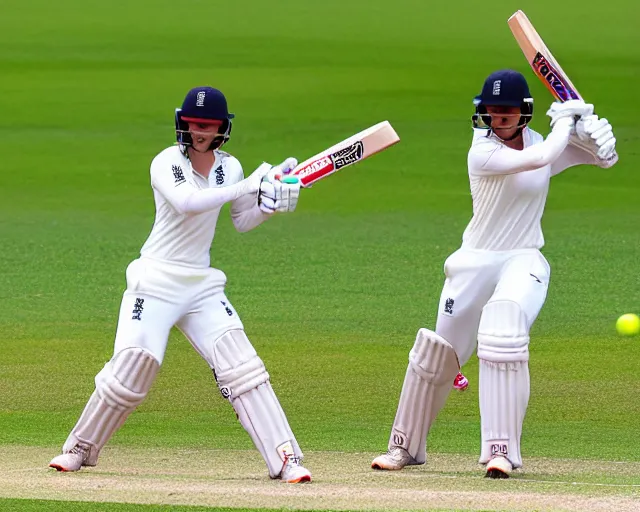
x: 348, y: 152
x: 540, y: 58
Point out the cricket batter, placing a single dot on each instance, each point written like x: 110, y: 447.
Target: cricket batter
x: 496, y: 283
x: 172, y: 284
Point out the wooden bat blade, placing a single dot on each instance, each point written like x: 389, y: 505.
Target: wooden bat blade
x: 348, y: 152
x: 540, y: 58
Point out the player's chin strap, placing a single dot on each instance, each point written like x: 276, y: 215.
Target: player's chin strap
x: 517, y: 133
x: 524, y: 121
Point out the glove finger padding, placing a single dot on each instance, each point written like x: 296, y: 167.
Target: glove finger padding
x: 599, y: 132
x: 584, y: 127
x: 592, y: 124
x: 288, y: 165
x: 605, y: 137
x: 267, y: 205
x: 290, y: 194
x: 267, y: 197
x: 268, y: 189
x: 606, y: 151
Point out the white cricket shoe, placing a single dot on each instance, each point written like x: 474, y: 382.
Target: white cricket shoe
x: 499, y: 467
x: 293, y: 472
x: 71, y: 461
x: 396, y: 458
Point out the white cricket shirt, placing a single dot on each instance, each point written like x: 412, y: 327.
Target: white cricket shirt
x: 509, y: 187
x: 187, y: 211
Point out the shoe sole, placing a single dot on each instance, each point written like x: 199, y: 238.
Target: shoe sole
x: 60, y: 468
x: 384, y: 468
x: 496, y: 474
x: 301, y: 480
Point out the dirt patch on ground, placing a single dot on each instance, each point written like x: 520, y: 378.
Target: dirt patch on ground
x: 342, y: 481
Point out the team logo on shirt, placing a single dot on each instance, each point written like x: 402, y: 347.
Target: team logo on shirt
x: 219, y: 175
x: 448, y: 306
x: 178, y: 175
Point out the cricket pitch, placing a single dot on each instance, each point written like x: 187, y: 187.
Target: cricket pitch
x: 342, y: 481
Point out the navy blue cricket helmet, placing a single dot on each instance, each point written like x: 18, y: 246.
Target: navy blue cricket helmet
x: 203, y: 105
x: 505, y: 87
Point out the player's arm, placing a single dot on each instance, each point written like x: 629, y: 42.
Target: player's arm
x: 592, y: 143
x: 504, y: 160
x: 188, y: 200
x: 277, y: 193
x: 246, y: 214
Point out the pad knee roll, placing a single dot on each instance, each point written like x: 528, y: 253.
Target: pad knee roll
x: 432, y: 358
x: 125, y: 380
x: 503, y: 333
x: 237, y: 367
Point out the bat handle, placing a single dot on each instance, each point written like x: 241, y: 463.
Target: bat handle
x: 287, y: 179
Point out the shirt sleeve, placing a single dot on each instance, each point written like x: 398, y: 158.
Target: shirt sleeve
x: 490, y: 159
x: 245, y: 212
x: 575, y: 155
x: 571, y: 157
x: 184, y: 197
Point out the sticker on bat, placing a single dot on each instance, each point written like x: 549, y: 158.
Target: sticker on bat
x: 321, y: 165
x: 349, y: 155
x: 545, y: 70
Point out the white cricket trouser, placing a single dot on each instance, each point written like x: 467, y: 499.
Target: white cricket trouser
x: 474, y: 277
x: 160, y: 295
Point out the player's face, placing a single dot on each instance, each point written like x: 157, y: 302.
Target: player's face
x: 504, y: 120
x: 202, y: 135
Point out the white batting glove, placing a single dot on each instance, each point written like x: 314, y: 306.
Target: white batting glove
x: 251, y: 184
x: 279, y: 192
x: 564, y: 125
x: 596, y: 137
x: 571, y: 108
x: 288, y: 165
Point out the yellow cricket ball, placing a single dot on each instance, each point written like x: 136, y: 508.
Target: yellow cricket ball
x: 628, y: 325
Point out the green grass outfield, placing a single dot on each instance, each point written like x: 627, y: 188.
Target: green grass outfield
x: 87, y: 96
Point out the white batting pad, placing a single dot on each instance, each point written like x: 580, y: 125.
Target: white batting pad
x: 121, y: 386
x: 503, y: 350
x: 503, y: 336
x: 243, y: 379
x: 432, y: 367
x: 236, y: 364
x: 262, y: 417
